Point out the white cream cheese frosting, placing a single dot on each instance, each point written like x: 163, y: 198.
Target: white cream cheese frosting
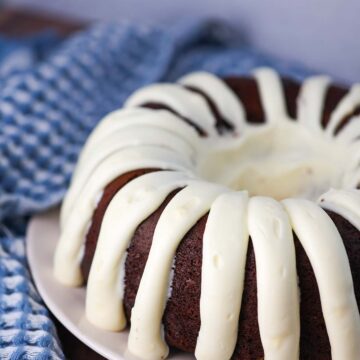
x: 225, y: 244
x: 220, y: 94
x: 345, y: 202
x: 311, y: 102
x: 326, y: 252
x: 132, y: 204
x: 186, y: 103
x: 183, y: 211
x: 277, y: 290
x: 263, y: 170
x: 346, y: 106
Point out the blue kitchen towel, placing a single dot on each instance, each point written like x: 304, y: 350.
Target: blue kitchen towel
x: 51, y: 96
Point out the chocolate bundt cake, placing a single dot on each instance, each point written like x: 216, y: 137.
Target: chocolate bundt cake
x: 221, y: 217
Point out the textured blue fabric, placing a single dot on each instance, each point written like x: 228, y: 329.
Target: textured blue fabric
x: 51, y: 96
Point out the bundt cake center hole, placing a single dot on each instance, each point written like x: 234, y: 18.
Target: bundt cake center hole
x: 279, y: 161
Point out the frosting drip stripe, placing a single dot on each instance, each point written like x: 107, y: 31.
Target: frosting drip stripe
x: 351, y: 133
x: 159, y: 106
x: 346, y: 120
x: 68, y: 252
x: 135, y: 260
x: 183, y: 211
x: 135, y: 135
x: 225, y: 244
x: 222, y: 124
x: 311, y: 102
x: 346, y: 107
x: 272, y: 95
x: 225, y: 106
x: 117, y: 163
x: 94, y: 229
x: 129, y: 137
x: 278, y: 298
x: 128, y: 208
x: 329, y: 261
x: 189, y: 105
x: 345, y: 203
x: 108, y: 125
x: 125, y: 118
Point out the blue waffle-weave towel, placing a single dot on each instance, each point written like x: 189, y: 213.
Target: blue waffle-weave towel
x: 52, y: 94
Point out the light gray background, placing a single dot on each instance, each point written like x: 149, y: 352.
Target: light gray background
x: 323, y: 34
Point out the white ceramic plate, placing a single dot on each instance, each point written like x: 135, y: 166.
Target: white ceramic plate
x: 67, y: 304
